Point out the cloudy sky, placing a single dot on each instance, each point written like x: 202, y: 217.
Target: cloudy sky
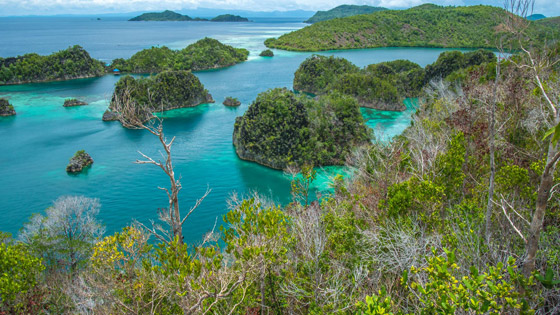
x: 50, y: 7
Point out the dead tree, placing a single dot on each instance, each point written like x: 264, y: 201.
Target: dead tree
x: 140, y: 116
x: 537, y: 63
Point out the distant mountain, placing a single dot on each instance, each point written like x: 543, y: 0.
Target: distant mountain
x: 422, y: 26
x: 536, y: 17
x: 163, y: 16
x: 343, y: 11
x: 229, y: 18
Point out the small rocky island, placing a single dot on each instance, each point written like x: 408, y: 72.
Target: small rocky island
x: 77, y: 163
x: 136, y: 99
x: 73, y: 102
x: 231, y: 101
x: 6, y: 109
x: 267, y: 53
x: 281, y: 129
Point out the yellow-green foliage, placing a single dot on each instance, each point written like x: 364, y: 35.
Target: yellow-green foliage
x: 19, y: 272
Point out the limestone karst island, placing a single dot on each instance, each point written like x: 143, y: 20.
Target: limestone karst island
x: 280, y: 157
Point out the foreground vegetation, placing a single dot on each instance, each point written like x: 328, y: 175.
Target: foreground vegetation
x: 205, y: 54
x: 427, y: 25
x: 342, y: 11
x: 71, y: 63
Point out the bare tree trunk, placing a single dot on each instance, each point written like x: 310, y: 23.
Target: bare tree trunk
x: 491, y: 141
x: 543, y: 193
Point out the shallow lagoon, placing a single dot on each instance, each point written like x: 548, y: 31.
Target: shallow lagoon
x: 38, y: 142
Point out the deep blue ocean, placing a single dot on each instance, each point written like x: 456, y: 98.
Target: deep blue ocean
x: 37, y: 143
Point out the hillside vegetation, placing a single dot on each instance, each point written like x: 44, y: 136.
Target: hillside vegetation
x: 72, y: 63
x: 205, y: 54
x: 423, y: 26
x: 343, y: 11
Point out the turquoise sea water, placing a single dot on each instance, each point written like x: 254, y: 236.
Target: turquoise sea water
x: 37, y: 143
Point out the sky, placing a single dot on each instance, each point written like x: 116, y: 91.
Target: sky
x: 53, y: 7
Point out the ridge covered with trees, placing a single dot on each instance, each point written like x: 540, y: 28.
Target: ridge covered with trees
x: 72, y: 63
x: 427, y: 25
x: 281, y: 129
x: 204, y: 54
x: 342, y: 11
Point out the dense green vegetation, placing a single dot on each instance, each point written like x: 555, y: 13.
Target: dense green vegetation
x: 205, y: 54
x: 281, y: 129
x: 166, y: 15
x: 425, y: 26
x: 139, y: 98
x: 229, y: 18
x: 384, y: 85
x: 342, y: 11
x: 71, y: 63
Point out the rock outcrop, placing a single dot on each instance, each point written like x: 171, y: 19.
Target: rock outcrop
x: 77, y: 163
x: 231, y: 101
x: 73, y: 102
x: 6, y: 109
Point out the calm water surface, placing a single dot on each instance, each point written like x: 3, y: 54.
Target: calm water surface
x: 38, y: 142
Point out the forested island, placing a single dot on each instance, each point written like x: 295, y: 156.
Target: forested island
x: 168, y: 15
x: 427, y: 25
x: 205, y: 54
x: 229, y: 18
x: 342, y: 11
x: 72, y: 63
x: 281, y: 129
x: 135, y: 100
x: 384, y: 85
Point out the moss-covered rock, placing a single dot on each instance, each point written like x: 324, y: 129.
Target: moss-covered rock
x: 266, y: 53
x: 80, y: 160
x: 231, y: 101
x: 73, y: 102
x: 6, y: 109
